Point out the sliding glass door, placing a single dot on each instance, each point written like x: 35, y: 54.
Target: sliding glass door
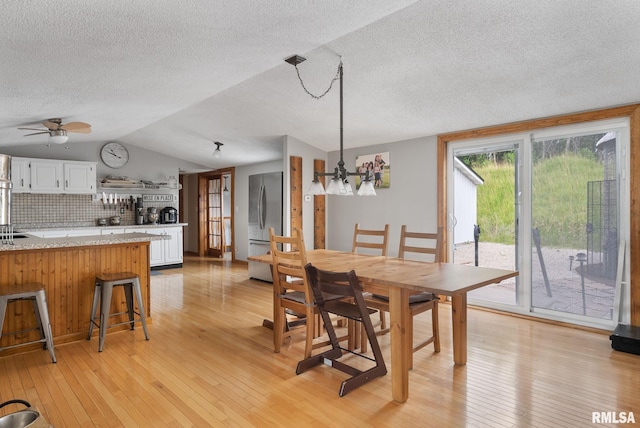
x: 575, y: 216
x: 552, y: 204
x: 485, y: 215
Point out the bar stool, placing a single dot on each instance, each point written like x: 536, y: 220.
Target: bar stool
x: 36, y: 293
x: 103, y: 291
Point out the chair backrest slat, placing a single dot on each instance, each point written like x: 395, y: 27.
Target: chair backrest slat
x: 289, y: 258
x: 379, y: 239
x: 434, y: 248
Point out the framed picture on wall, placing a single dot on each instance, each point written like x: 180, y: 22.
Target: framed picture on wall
x: 379, y: 167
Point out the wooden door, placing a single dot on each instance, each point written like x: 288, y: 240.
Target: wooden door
x: 215, y: 219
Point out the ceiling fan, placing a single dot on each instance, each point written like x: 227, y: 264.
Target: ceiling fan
x: 58, y: 131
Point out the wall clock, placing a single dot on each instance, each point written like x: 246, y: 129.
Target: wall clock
x: 114, y: 155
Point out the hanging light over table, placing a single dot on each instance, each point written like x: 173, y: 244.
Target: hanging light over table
x: 339, y: 183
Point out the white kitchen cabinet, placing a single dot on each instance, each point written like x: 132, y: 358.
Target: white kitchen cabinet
x: 20, y: 175
x: 173, y: 247
x: 30, y: 175
x: 79, y: 177
x: 46, y: 176
x: 165, y: 251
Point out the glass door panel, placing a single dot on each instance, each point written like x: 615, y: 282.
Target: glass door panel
x: 215, y: 224
x: 574, y: 220
x: 485, y: 215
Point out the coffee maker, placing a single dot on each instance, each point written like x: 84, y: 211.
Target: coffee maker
x: 139, y: 212
x: 169, y: 215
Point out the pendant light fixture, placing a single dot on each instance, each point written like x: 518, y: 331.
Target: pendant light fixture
x: 339, y: 183
x: 217, y: 153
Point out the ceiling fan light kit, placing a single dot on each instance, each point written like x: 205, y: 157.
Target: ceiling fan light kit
x: 58, y: 137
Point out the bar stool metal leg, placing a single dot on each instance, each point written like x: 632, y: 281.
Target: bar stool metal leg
x: 105, y: 304
x: 143, y: 318
x: 94, y: 308
x: 128, y: 294
x: 45, y: 326
x: 3, y: 311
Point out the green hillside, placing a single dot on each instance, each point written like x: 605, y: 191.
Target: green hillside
x: 559, y: 200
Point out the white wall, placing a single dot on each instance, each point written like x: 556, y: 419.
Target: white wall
x: 411, y: 198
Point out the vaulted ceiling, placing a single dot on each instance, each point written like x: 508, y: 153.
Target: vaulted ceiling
x: 173, y: 76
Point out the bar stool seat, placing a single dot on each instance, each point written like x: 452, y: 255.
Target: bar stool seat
x: 36, y: 293
x: 102, y: 293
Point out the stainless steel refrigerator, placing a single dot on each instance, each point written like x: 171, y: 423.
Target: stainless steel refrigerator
x: 265, y: 211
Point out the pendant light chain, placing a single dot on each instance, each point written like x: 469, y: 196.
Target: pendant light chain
x: 317, y: 97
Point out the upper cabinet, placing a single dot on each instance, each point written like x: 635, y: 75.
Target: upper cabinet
x: 53, y: 176
x: 46, y: 176
x: 79, y: 177
x: 20, y: 175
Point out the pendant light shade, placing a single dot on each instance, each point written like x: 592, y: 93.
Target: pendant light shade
x: 366, y: 189
x: 316, y: 188
x: 217, y: 153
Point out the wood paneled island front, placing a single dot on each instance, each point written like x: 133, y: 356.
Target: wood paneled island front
x: 67, y: 268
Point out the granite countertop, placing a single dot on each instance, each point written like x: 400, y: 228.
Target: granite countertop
x: 75, y: 226
x: 36, y: 243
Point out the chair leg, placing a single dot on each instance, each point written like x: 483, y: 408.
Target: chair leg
x: 436, y: 327
x: 383, y: 320
x: 278, y: 324
x: 310, y: 331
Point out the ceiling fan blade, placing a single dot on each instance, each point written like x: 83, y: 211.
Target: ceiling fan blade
x: 77, y: 130
x: 36, y: 133
x: 34, y: 129
x: 51, y: 125
x: 74, y: 125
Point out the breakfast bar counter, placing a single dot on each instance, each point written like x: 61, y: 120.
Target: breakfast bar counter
x: 67, y: 268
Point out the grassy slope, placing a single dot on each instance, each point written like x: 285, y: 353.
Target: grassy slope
x: 559, y: 201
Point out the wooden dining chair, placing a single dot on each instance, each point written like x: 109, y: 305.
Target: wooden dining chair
x: 291, y: 293
x: 422, y: 244
x: 371, y: 239
x: 340, y: 293
x: 374, y: 242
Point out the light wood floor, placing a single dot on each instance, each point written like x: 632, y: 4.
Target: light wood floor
x: 210, y: 363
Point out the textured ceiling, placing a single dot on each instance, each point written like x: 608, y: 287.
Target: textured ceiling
x: 172, y: 76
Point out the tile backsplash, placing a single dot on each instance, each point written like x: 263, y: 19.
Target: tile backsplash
x: 70, y: 210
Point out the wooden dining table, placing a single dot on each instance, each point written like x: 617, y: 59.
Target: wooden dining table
x: 398, y: 279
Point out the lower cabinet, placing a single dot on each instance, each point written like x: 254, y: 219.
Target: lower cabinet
x: 166, y: 251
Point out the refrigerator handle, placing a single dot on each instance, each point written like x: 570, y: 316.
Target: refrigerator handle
x: 263, y: 206
x: 260, y: 224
